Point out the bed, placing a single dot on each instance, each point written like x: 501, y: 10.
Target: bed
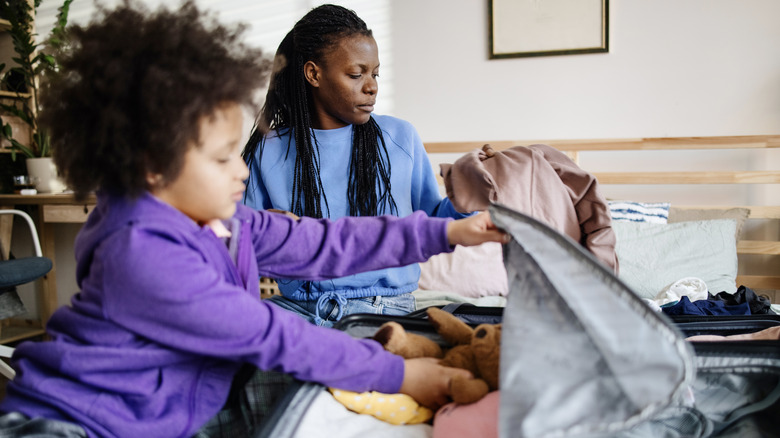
x: 723, y: 216
x: 699, y: 179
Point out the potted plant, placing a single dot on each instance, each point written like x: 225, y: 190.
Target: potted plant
x: 33, y: 62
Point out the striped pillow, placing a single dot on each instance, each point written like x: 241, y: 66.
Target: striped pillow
x: 652, y: 212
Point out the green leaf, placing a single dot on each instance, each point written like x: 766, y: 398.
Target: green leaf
x: 14, y: 111
x: 18, y: 113
x: 44, y: 143
x: 15, y: 145
x: 30, y: 62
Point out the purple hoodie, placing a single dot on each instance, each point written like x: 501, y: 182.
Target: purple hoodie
x: 167, y: 315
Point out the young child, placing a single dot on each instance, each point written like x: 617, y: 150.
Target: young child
x: 327, y: 156
x: 148, y: 112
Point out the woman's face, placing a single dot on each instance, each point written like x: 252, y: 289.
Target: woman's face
x: 344, y: 84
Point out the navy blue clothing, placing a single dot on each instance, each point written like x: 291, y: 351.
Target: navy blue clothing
x: 705, y: 307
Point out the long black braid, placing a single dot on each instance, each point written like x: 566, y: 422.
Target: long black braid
x: 288, y: 106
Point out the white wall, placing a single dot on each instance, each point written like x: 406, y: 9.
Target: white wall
x: 675, y: 68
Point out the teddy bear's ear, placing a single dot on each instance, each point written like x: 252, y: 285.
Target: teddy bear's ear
x: 453, y: 330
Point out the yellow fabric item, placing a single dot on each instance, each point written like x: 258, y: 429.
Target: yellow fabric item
x: 392, y: 408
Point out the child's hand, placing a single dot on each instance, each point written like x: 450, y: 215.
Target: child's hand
x: 428, y: 382
x: 475, y: 230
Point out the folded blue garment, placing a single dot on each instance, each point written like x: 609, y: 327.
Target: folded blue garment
x: 705, y: 307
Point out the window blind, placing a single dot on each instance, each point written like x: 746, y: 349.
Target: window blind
x: 268, y: 21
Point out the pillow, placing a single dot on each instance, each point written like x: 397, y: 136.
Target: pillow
x: 653, y: 256
x: 654, y: 212
x: 474, y: 271
x: 677, y: 214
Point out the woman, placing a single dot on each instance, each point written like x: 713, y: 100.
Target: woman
x: 328, y: 156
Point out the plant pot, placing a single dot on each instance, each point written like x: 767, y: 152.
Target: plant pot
x: 44, y: 174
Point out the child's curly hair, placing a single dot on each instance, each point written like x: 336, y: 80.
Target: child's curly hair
x: 132, y: 90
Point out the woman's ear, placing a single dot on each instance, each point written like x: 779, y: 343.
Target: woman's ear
x: 312, y: 73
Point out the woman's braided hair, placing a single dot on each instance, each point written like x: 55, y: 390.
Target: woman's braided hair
x: 288, y: 106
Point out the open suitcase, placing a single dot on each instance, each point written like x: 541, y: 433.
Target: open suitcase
x: 583, y: 356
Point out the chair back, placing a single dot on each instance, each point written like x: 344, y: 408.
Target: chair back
x: 16, y: 272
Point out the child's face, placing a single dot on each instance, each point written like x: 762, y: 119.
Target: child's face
x: 344, y: 86
x: 212, y: 178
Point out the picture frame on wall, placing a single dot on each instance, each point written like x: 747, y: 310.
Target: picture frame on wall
x: 525, y: 28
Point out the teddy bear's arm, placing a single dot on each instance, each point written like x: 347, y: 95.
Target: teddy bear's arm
x: 453, y: 330
x: 396, y: 340
x: 468, y: 390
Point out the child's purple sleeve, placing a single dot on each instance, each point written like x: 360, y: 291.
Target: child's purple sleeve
x: 313, y: 249
x: 178, y: 298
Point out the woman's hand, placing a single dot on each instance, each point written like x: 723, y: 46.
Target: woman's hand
x: 428, y: 382
x: 475, y: 230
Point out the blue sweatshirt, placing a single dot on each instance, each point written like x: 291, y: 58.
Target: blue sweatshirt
x: 413, y: 183
x: 168, y: 313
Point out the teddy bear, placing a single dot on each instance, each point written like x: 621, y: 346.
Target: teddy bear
x: 474, y: 349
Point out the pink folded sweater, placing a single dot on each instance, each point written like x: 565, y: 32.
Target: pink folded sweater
x: 540, y: 181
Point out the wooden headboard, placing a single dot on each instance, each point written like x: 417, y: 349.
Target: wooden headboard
x: 706, y: 170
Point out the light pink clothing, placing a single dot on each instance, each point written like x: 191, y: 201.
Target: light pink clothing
x: 542, y: 182
x: 479, y: 419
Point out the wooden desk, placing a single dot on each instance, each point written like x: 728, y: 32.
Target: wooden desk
x: 48, y: 209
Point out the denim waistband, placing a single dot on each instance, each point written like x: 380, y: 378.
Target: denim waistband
x: 325, y: 298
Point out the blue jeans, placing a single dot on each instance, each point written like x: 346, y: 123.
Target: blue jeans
x: 332, y: 307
